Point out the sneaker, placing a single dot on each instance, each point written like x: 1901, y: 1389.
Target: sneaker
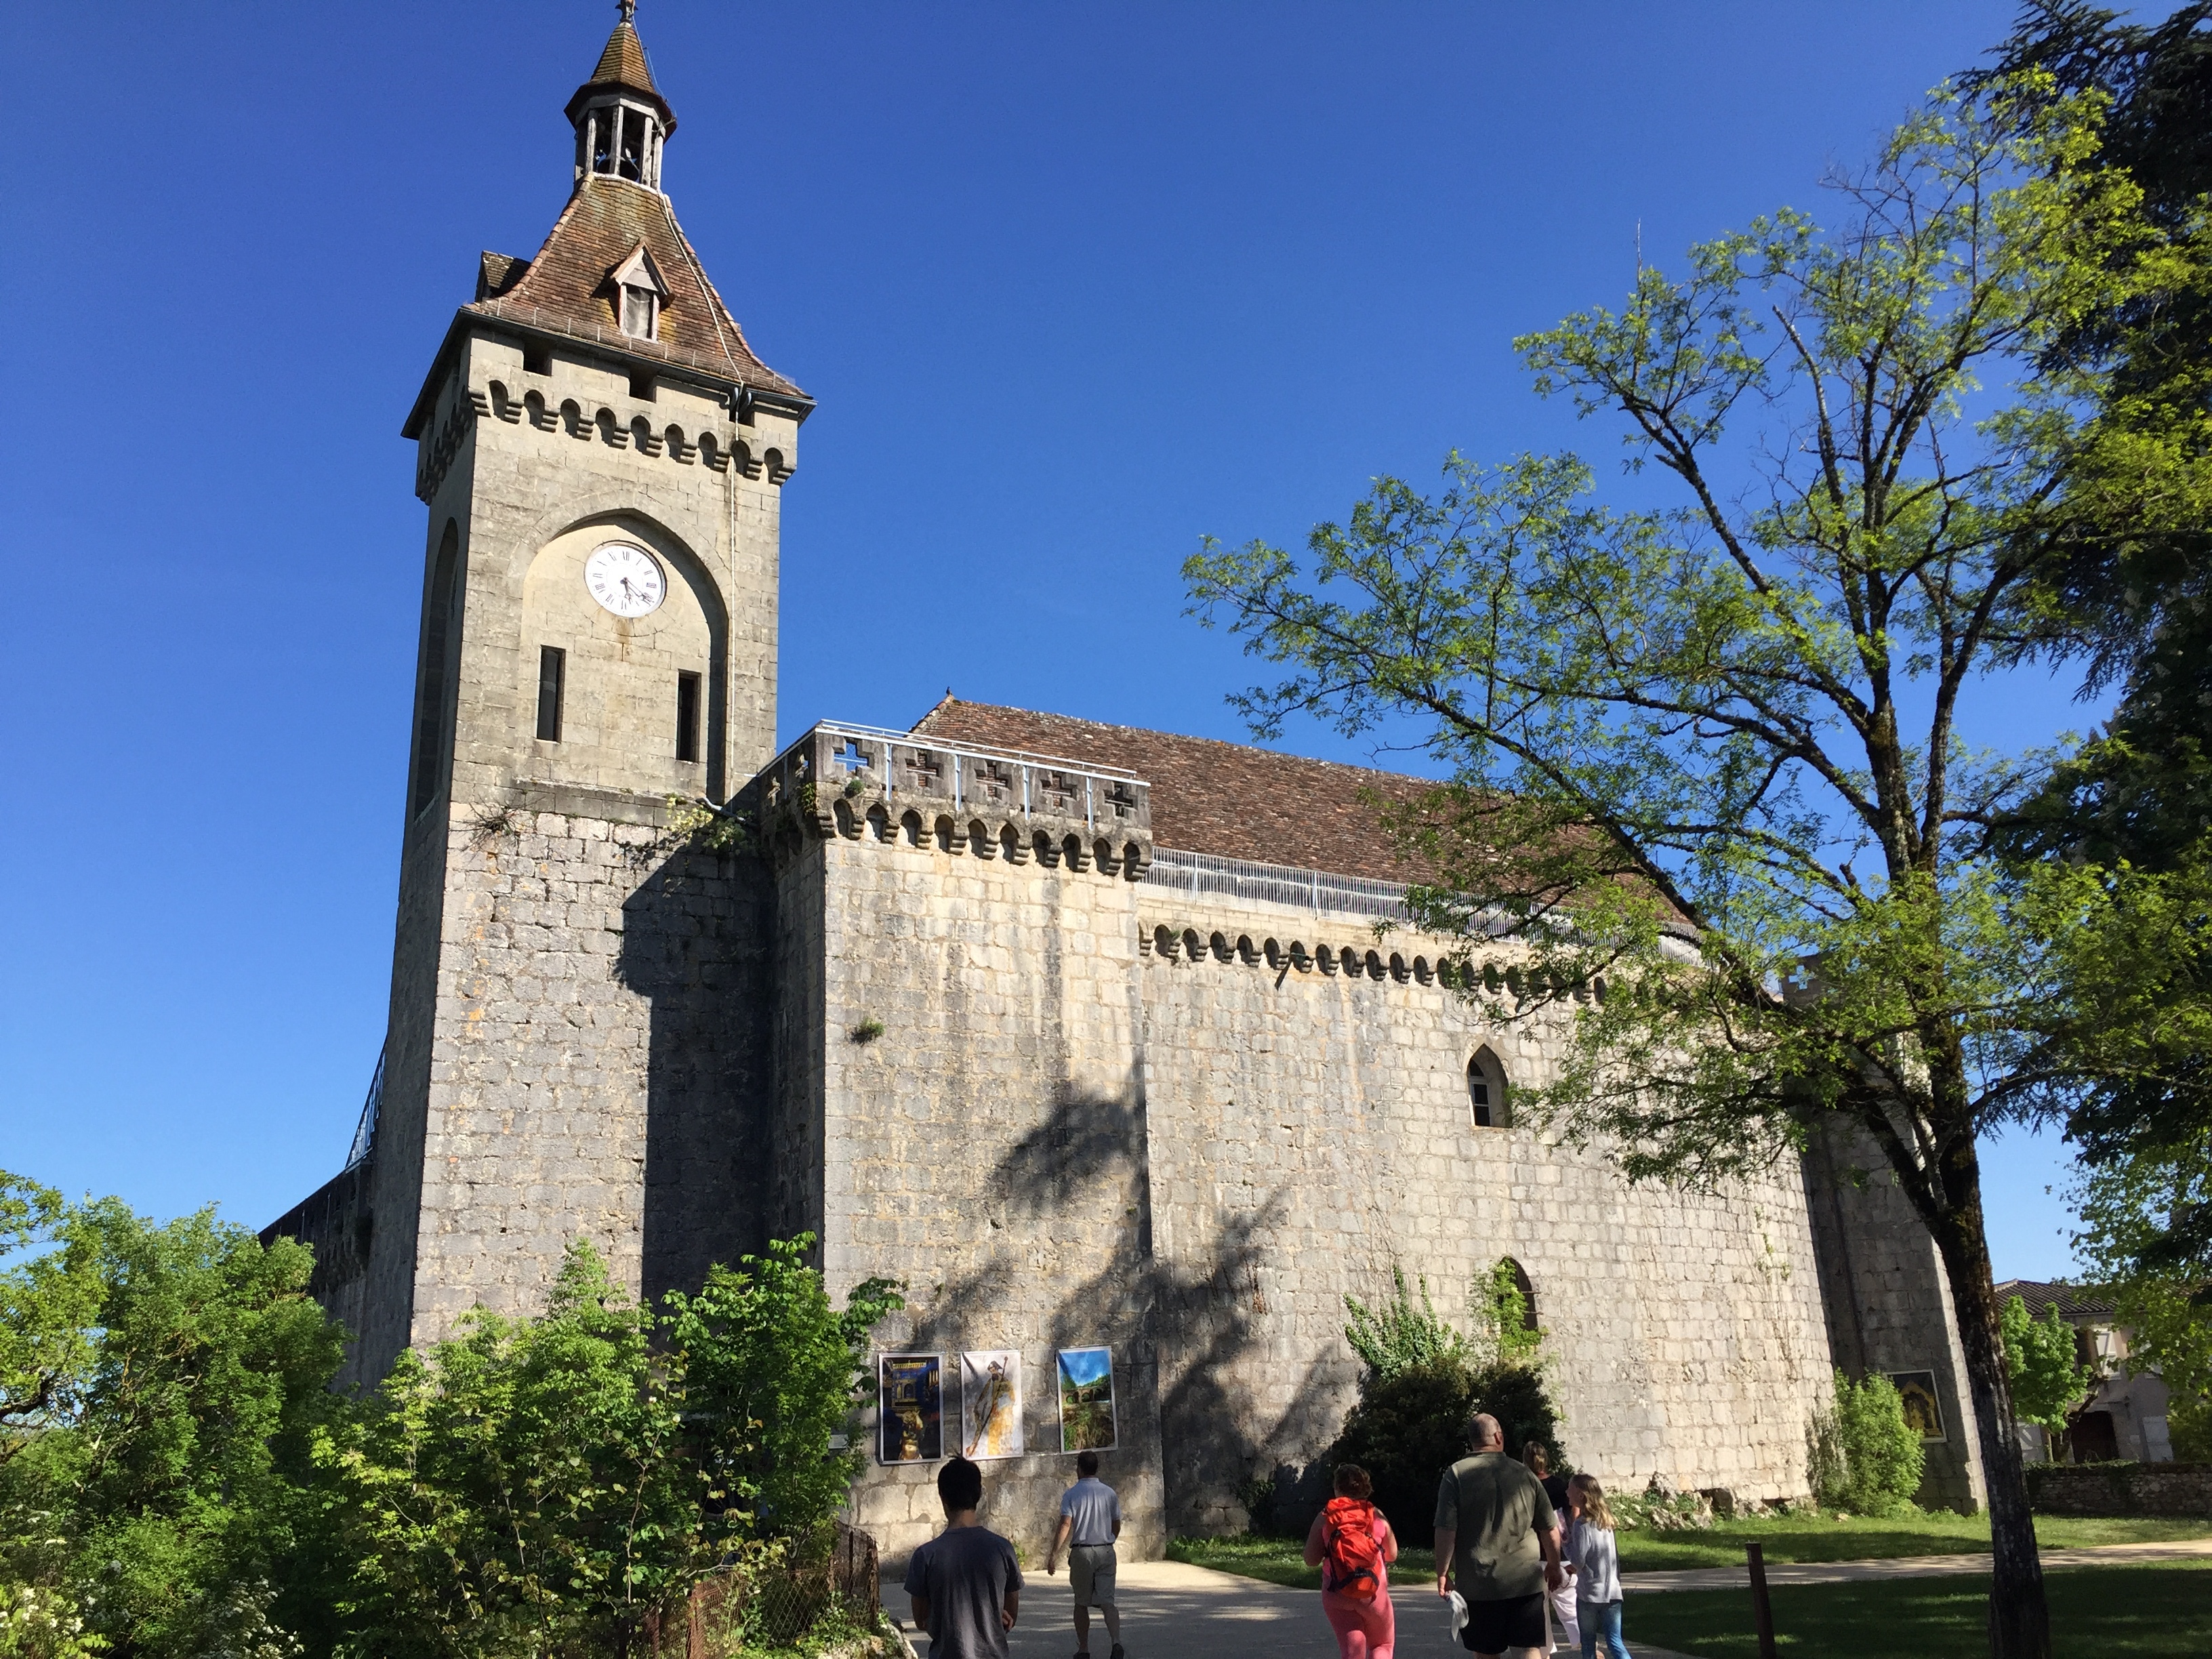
x: 1117, y: 1653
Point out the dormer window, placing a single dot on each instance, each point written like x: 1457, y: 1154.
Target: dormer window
x: 639, y: 292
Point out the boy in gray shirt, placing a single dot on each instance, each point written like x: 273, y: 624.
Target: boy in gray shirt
x: 966, y: 1587
x: 1090, y: 1521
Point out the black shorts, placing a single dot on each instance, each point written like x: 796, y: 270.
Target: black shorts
x: 1496, y: 1626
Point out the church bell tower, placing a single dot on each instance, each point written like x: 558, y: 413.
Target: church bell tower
x: 573, y: 1047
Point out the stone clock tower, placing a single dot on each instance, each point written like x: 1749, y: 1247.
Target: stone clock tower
x: 572, y: 1050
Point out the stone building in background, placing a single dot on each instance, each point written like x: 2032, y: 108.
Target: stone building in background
x: 1084, y: 1032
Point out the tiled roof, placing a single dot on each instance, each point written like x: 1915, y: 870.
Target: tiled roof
x: 1226, y: 798
x: 498, y: 272
x: 624, y: 64
x: 2072, y: 1301
x: 566, y: 289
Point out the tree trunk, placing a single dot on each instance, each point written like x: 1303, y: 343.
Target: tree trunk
x: 2020, y: 1619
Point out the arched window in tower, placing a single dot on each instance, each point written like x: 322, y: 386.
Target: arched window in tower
x: 1485, y: 1092
x: 1512, y: 1309
x: 639, y: 292
x: 434, y: 669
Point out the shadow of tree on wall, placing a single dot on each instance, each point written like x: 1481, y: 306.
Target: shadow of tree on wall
x: 695, y: 941
x: 1188, y: 1335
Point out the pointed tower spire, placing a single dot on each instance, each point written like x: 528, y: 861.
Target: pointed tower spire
x: 620, y: 117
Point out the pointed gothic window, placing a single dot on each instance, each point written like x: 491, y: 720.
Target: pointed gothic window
x: 1485, y: 1092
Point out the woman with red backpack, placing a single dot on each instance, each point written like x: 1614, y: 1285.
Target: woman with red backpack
x: 1353, y: 1546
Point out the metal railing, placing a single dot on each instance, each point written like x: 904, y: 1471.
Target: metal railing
x: 972, y: 750
x: 364, y: 1134
x: 1205, y: 875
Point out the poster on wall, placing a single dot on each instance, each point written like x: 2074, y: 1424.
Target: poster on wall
x: 1916, y: 1391
x: 1087, y: 1399
x: 910, y: 1408
x: 990, y: 1403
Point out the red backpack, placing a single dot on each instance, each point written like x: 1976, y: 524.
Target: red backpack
x: 1352, y: 1564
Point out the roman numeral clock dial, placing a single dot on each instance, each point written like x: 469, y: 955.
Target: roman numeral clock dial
x: 625, y: 580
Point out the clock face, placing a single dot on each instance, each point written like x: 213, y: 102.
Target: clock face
x: 627, y: 581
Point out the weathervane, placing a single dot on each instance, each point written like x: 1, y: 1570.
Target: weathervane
x: 628, y: 9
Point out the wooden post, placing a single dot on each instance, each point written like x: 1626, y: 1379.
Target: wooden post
x: 1761, y: 1609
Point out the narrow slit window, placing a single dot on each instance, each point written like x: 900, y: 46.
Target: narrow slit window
x: 552, y: 673
x: 687, y: 717
x: 538, y: 359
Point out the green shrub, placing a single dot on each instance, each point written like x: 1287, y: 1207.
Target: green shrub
x: 1409, y: 1427
x: 1863, y: 1455
x: 2189, y: 1425
x: 1398, y: 1336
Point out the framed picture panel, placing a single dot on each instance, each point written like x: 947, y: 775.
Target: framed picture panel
x: 1923, y: 1409
x: 990, y: 1403
x: 910, y: 1408
x: 1086, y: 1398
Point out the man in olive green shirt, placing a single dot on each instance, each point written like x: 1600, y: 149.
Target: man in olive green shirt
x: 1495, y: 1534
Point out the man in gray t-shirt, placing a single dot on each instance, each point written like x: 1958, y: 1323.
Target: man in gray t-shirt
x: 965, y: 1584
x: 1496, y: 1537
x: 1090, y: 1521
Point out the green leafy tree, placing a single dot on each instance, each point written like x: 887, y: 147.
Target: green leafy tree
x: 522, y: 1488
x: 1865, y: 1458
x: 2118, y: 843
x: 772, y: 1372
x: 1748, y: 893
x: 2047, y: 1381
x: 164, y: 1384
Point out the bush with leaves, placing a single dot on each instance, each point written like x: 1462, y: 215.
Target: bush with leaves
x: 1504, y: 1319
x: 520, y: 1487
x: 1862, y: 1456
x: 1409, y: 1427
x: 542, y: 1485
x: 769, y: 1371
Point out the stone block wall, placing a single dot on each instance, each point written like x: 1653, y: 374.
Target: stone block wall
x: 1310, y: 1129
x: 2121, y: 1488
x: 1887, y: 1301
x: 1067, y: 1135
x: 602, y: 1064
x: 988, y: 1148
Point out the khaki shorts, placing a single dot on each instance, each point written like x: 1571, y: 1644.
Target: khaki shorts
x: 1091, y: 1572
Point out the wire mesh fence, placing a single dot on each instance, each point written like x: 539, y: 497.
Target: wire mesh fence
x: 775, y: 1601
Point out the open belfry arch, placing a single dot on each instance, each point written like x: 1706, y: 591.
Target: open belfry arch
x: 1085, y: 1033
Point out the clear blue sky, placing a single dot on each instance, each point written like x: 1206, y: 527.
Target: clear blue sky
x: 1074, y: 285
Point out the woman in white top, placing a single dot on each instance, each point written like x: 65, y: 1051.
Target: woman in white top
x: 1595, y: 1565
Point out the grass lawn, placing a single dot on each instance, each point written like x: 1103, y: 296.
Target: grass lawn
x: 1785, y: 1538
x: 2162, y: 1612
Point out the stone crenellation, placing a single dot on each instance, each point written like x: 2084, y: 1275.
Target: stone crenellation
x: 858, y: 783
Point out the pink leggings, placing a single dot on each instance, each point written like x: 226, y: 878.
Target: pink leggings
x: 1365, y: 1629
